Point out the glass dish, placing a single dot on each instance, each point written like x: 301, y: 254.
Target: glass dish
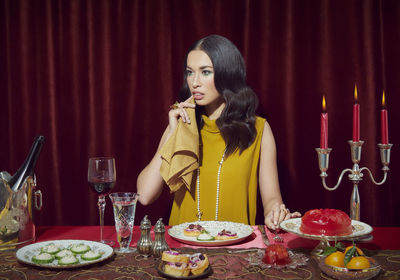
x: 360, y: 229
x: 342, y: 273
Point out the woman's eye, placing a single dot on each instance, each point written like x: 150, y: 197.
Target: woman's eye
x: 207, y: 72
x: 189, y: 73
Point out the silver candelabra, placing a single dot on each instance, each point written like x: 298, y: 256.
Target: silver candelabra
x: 356, y: 174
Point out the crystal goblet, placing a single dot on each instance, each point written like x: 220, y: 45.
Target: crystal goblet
x: 124, y: 205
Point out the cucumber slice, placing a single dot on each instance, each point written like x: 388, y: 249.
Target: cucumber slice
x: 67, y: 260
x: 50, y: 248
x: 43, y: 258
x: 79, y: 248
x: 90, y: 256
x: 205, y: 237
x: 63, y: 253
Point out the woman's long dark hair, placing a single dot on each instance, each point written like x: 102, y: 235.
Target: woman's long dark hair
x: 237, y: 120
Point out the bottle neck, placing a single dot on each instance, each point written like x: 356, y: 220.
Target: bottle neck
x: 26, y: 170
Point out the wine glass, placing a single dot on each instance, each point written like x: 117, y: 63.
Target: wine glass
x: 124, y: 205
x: 101, y: 178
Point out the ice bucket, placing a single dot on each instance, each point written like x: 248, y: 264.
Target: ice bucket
x: 17, y: 214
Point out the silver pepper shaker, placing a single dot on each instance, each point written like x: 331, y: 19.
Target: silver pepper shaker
x: 145, y: 243
x: 159, y: 245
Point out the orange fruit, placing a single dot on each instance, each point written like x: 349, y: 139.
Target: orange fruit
x: 358, y: 263
x: 335, y: 259
x: 359, y: 251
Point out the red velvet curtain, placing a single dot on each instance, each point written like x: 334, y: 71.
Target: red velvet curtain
x: 97, y: 78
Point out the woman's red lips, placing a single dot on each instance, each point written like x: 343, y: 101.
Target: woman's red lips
x: 197, y: 95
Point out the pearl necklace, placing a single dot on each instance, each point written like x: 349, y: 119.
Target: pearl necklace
x: 199, y: 213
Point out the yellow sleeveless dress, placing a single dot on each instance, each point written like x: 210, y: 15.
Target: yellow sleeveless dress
x: 238, y: 181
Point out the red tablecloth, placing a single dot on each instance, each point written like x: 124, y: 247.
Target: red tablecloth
x: 226, y: 262
x: 384, y: 238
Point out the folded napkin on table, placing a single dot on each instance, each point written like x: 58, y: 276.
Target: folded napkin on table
x: 180, y: 154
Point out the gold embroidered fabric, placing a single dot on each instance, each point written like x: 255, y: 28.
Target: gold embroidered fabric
x: 225, y: 263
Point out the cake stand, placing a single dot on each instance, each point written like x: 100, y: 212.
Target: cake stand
x: 360, y: 229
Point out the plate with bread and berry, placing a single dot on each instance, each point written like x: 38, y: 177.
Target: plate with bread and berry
x: 210, y: 233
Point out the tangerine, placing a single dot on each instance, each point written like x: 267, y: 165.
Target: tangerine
x: 358, y: 263
x: 359, y: 251
x: 335, y: 259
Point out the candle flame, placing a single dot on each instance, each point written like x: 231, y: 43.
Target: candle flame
x: 383, y: 99
x: 355, y: 93
x: 323, y: 103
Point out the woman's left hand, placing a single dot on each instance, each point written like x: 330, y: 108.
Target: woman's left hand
x: 278, y: 214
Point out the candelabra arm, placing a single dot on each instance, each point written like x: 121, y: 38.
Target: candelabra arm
x: 356, y: 173
x: 338, y: 182
x: 372, y: 177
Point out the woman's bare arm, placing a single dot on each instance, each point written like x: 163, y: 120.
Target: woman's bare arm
x: 150, y: 182
x: 274, y: 209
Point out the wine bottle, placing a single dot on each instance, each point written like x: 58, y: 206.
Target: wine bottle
x: 26, y: 170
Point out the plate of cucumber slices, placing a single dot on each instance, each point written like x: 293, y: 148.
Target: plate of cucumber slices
x: 60, y: 254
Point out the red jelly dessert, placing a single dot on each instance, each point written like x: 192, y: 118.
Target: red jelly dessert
x: 328, y: 222
x: 276, y: 254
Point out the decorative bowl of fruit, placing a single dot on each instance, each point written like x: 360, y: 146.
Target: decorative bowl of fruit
x: 348, y: 263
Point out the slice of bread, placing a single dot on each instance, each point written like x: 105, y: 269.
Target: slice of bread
x: 174, y: 257
x: 192, y: 233
x: 225, y: 235
x: 177, y: 269
x: 193, y: 230
x: 182, y: 265
x: 198, y: 263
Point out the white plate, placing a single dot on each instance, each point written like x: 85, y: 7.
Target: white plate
x: 359, y: 229
x: 213, y: 227
x: 26, y: 253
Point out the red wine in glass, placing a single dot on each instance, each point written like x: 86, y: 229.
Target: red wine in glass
x: 101, y: 178
x: 101, y: 187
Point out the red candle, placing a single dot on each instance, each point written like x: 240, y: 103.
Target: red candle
x: 384, y: 122
x: 324, y: 126
x: 356, y: 118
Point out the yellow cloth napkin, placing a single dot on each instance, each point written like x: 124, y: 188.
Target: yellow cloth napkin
x: 180, y: 154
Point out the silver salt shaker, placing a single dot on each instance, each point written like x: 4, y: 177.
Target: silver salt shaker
x: 145, y: 242
x: 159, y: 244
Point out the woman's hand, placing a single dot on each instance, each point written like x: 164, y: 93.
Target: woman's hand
x: 178, y: 111
x: 279, y: 213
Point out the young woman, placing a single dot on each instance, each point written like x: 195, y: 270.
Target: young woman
x: 237, y: 147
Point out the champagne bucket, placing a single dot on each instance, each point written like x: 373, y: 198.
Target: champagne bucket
x: 17, y: 216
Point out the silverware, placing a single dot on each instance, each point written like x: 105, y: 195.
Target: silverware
x: 277, y: 237
x: 243, y: 251
x: 263, y: 235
